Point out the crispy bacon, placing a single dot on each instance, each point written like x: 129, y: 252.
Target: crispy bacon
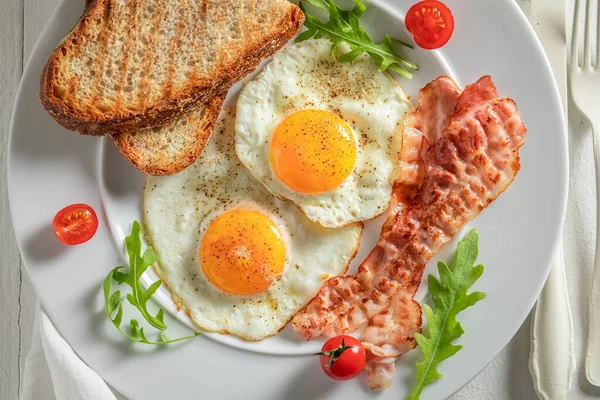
x: 473, y: 157
x: 473, y: 162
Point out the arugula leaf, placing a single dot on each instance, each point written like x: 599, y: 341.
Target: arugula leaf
x: 137, y: 266
x: 138, y: 297
x: 450, y: 297
x: 344, y: 26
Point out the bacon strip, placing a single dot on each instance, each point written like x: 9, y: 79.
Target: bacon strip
x: 475, y: 159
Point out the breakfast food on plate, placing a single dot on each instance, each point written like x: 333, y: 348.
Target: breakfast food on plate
x: 422, y: 128
x: 234, y: 257
x: 255, y: 223
x: 326, y: 135
x: 168, y: 149
x: 343, y: 26
x: 451, y: 294
x: 431, y: 24
x: 130, y: 276
x: 162, y: 65
x: 75, y: 224
x: 133, y: 64
x: 342, y: 358
x: 474, y: 159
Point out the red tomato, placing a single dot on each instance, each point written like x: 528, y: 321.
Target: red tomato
x: 430, y: 23
x: 342, y: 357
x: 75, y: 224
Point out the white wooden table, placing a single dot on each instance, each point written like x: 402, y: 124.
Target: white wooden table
x: 507, y: 377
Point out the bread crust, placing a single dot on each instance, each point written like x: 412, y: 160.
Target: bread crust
x: 166, y: 165
x: 198, y: 92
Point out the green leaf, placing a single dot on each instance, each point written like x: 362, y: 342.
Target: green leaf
x: 114, y: 302
x: 138, y: 296
x: 134, y: 329
x: 344, y: 26
x: 119, y: 276
x: 137, y: 266
x: 141, y: 334
x: 160, y: 315
x: 449, y: 295
x: 322, y: 4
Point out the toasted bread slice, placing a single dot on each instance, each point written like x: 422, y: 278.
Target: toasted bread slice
x: 130, y: 64
x: 168, y: 149
x: 171, y: 148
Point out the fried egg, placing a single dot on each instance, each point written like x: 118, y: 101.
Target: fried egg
x: 324, y: 134
x: 235, y: 258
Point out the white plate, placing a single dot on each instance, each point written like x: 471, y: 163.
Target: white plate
x: 50, y: 168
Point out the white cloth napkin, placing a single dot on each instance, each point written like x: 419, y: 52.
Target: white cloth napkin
x: 54, y: 372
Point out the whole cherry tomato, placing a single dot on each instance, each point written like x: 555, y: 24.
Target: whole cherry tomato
x: 342, y: 357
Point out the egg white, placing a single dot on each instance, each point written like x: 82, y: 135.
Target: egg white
x: 178, y: 209
x: 306, y: 76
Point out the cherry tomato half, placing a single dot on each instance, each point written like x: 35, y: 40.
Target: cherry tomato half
x: 430, y: 23
x: 75, y: 224
x: 342, y: 357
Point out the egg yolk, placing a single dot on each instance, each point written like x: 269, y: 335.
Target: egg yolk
x: 242, y: 252
x: 312, y: 151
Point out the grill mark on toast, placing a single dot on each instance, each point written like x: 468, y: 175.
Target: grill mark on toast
x: 126, y: 51
x: 172, y: 50
x: 202, y: 9
x: 108, y: 9
x: 145, y: 84
x: 74, y: 47
x: 103, y: 47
